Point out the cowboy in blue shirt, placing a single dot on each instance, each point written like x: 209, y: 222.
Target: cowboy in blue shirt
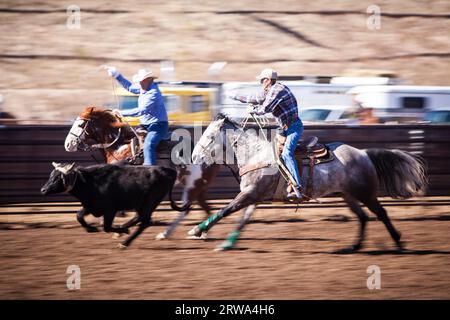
x: 150, y: 109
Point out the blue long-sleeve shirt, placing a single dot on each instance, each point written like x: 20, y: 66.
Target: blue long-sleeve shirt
x: 150, y: 107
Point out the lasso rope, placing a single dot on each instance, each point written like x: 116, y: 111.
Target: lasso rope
x: 116, y: 101
x: 104, y: 146
x: 265, y: 121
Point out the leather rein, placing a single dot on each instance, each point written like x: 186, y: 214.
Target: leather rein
x: 246, y: 168
x: 87, y: 147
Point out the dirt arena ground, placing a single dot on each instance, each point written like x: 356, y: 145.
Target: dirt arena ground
x: 282, y: 255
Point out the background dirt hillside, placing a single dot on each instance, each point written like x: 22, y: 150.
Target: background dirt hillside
x: 49, y: 71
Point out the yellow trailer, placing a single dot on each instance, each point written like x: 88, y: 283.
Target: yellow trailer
x: 184, y: 104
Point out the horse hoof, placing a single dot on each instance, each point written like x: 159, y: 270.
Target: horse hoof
x: 224, y: 246
x: 92, y: 230
x: 121, y: 246
x: 202, y: 236
x: 348, y: 250
x: 161, y: 236
x: 400, y: 246
x: 116, y: 235
x: 194, y: 231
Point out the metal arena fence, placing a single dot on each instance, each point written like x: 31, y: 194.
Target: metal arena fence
x: 26, y: 153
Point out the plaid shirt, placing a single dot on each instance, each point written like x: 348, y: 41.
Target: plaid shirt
x: 278, y: 100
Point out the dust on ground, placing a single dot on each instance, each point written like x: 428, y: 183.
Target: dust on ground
x: 281, y: 255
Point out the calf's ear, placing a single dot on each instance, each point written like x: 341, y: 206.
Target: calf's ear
x: 56, y: 165
x: 69, y: 167
x: 64, y: 169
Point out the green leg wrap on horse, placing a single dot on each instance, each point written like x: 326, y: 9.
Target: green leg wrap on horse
x: 234, y: 235
x: 204, y: 225
x: 231, y: 240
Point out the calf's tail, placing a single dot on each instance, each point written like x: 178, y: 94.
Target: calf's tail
x: 173, y: 204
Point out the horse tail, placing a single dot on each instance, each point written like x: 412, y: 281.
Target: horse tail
x: 400, y: 173
x: 173, y: 204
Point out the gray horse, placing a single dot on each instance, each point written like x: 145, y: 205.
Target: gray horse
x: 355, y: 174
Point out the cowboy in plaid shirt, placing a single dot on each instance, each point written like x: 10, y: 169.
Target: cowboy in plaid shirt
x: 276, y: 98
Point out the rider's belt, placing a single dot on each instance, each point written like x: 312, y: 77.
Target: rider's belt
x: 289, y: 121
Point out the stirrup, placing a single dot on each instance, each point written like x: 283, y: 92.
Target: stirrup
x: 297, y: 192
x: 293, y: 193
x: 293, y: 196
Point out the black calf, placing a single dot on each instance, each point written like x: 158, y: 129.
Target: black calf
x: 105, y: 189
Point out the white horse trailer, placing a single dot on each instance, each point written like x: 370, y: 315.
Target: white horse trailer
x: 401, y: 102
x: 308, y: 94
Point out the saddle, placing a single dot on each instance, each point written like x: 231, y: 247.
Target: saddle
x: 309, y: 153
x: 137, y: 145
x: 311, y: 148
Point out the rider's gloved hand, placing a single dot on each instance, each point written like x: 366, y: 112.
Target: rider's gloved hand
x: 231, y: 96
x: 112, y: 71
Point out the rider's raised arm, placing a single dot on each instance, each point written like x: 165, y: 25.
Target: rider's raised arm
x: 256, y: 98
x: 132, y: 87
x: 144, y: 107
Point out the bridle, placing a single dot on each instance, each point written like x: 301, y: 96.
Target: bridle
x: 204, y: 147
x: 82, y: 145
x: 236, y: 140
x: 224, y: 137
x: 235, y: 175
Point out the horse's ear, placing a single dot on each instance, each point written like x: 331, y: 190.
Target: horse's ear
x: 221, y: 116
x: 118, y: 124
x: 87, y: 111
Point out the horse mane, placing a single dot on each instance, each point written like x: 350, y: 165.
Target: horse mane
x: 103, y: 115
x: 221, y: 116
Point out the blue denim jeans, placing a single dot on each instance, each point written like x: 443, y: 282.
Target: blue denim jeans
x: 155, y: 133
x: 293, y: 134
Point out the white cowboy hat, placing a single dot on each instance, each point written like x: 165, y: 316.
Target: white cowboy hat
x: 143, y: 74
x: 267, y: 73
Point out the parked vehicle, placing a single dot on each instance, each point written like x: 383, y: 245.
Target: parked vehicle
x: 438, y: 116
x: 308, y: 94
x: 184, y: 104
x: 401, y: 103
x: 328, y: 114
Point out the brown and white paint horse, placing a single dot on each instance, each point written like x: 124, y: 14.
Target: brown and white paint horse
x: 97, y: 128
